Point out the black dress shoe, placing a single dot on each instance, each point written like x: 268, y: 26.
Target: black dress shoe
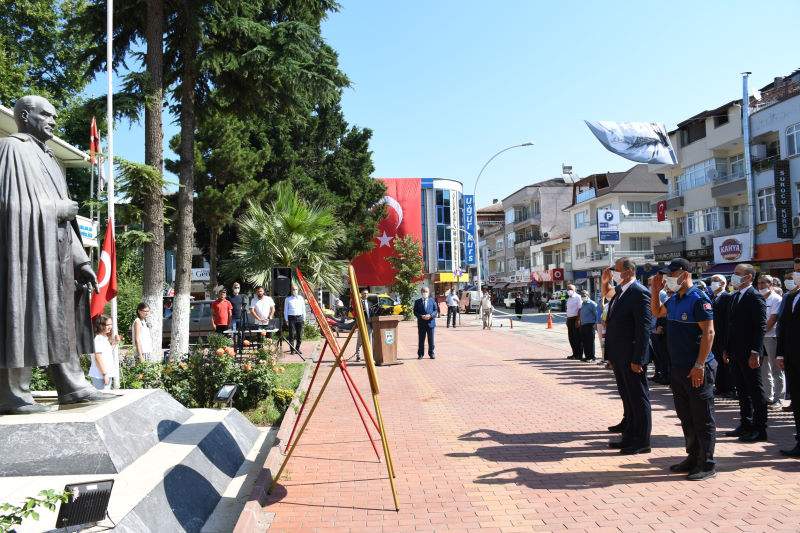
x: 419, y: 357
x: 738, y: 432
x: 633, y: 450
x: 618, y: 444
x: 755, y: 436
x: 92, y: 398
x: 794, y: 452
x: 700, y: 474
x: 685, y: 466
x: 432, y: 356
x: 619, y: 428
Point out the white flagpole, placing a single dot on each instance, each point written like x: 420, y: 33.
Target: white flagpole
x: 110, y: 177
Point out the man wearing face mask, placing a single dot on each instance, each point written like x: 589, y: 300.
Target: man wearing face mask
x: 294, y: 309
x: 771, y: 375
x: 690, y: 334
x: 237, y: 303
x: 573, y: 331
x: 425, y: 309
x: 587, y: 320
x: 627, y: 346
x: 743, y: 349
x: 787, y: 359
x: 721, y: 306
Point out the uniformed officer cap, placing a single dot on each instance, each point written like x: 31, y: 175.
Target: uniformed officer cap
x: 679, y: 263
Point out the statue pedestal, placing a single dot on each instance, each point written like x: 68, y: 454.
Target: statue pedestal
x: 170, y: 465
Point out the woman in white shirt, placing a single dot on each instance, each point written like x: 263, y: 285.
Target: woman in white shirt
x: 103, y: 368
x: 140, y: 334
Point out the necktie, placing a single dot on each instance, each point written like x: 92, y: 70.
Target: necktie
x: 736, y: 298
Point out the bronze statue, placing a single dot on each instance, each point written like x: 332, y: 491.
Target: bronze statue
x: 41, y: 259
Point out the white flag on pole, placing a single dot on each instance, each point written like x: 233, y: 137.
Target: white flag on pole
x: 643, y: 142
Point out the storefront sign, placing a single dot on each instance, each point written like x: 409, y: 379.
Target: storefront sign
x: 201, y: 274
x: 555, y: 274
x: 783, y: 199
x: 469, y: 228
x: 704, y: 253
x: 732, y: 248
x: 608, y: 226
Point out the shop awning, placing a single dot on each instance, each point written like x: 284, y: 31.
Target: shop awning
x: 449, y: 277
x: 516, y: 285
x: 722, y: 268
x: 500, y: 285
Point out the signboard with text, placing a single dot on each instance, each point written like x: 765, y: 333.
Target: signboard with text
x: 783, y: 200
x: 608, y: 226
x: 732, y: 248
x: 469, y: 228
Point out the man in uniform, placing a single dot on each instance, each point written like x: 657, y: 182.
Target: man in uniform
x: 41, y: 258
x: 690, y: 334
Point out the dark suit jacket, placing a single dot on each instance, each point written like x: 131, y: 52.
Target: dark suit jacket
x: 628, y: 326
x: 722, y: 311
x: 431, y: 309
x: 747, y: 324
x: 789, y: 330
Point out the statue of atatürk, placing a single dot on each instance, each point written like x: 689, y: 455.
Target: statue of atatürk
x: 41, y: 258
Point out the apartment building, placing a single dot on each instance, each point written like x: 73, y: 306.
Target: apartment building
x: 491, y: 223
x: 551, y: 265
x: 532, y: 214
x: 630, y: 192
x: 707, y: 202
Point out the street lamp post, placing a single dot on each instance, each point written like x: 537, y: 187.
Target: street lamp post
x: 475, y: 201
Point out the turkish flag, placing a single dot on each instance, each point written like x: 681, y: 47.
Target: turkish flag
x: 662, y: 210
x: 404, y: 217
x: 106, y: 273
x: 94, y: 141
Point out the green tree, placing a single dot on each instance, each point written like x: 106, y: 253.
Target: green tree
x: 291, y: 232
x: 408, y: 262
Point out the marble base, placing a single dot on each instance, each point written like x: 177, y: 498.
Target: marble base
x: 100, y: 438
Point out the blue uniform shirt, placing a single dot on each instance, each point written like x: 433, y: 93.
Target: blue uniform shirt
x: 683, y: 333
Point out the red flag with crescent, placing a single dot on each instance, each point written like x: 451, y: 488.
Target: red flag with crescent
x: 404, y: 217
x: 662, y: 210
x: 94, y: 141
x: 106, y: 273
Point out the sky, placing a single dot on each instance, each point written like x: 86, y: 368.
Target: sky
x: 445, y: 84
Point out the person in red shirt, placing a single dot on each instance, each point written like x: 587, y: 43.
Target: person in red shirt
x: 221, y: 311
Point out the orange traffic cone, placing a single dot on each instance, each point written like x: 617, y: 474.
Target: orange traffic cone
x: 549, y: 320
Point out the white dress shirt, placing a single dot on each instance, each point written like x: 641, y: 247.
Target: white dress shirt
x: 294, y: 306
x: 573, y: 305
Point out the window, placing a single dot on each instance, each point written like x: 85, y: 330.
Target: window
x: 736, y: 166
x: 499, y: 244
x: 638, y: 209
x: 693, y: 132
x: 510, y: 240
x: 696, y: 175
x: 580, y: 251
x: 639, y: 244
x: 537, y: 259
x: 522, y: 213
x: 581, y: 219
x: 444, y: 244
x: 510, y: 216
x: 706, y: 220
x: 535, y: 209
x: 739, y: 216
x: 548, y: 257
x: 766, y: 204
x: 719, y: 120
x: 793, y: 139
x: 680, y: 226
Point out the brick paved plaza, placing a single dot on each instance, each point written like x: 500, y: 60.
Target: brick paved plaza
x: 501, y: 433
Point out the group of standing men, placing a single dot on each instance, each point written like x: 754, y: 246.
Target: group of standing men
x: 699, y: 326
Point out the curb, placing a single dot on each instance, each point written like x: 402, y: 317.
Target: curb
x: 253, y: 518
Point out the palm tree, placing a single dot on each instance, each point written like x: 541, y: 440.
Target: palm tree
x: 291, y: 232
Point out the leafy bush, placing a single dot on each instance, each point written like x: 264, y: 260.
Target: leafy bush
x: 281, y: 398
x: 13, y: 515
x: 311, y: 331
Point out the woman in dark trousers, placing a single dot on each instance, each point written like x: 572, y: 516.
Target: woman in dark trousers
x: 519, y: 304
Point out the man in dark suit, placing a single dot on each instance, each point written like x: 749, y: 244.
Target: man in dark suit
x: 743, y: 349
x: 721, y: 304
x: 787, y: 352
x: 627, y: 346
x: 425, y: 309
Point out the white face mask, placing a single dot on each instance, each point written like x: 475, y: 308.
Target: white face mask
x: 790, y: 284
x: 673, y: 284
x: 736, y: 280
x: 424, y: 294
x: 715, y: 285
x: 235, y: 291
x: 764, y: 291
x: 294, y: 292
x: 616, y: 276
x: 570, y: 293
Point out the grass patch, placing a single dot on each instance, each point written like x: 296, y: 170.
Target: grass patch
x: 266, y: 413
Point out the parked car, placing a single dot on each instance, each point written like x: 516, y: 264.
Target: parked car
x: 556, y: 303
x: 199, y: 322
x: 381, y: 304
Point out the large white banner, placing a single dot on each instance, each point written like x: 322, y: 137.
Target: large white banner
x: 643, y: 142
x: 732, y: 248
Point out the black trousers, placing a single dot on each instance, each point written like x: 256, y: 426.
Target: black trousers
x: 752, y: 396
x: 635, y: 394
x: 574, y: 335
x: 452, y: 310
x: 587, y: 340
x: 695, y: 409
x: 295, y: 330
x: 793, y: 387
x: 423, y: 332
x: 724, y: 379
x: 658, y: 343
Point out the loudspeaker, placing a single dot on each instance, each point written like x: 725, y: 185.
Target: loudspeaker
x: 281, y: 281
